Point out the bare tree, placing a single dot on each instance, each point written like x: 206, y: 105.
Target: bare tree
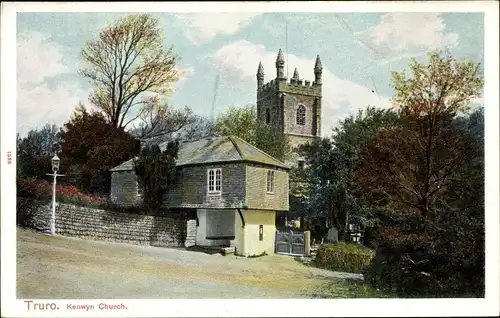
x: 126, y: 62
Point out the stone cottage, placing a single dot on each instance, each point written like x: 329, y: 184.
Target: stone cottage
x: 235, y: 188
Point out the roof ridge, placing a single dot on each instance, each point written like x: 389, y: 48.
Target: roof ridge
x: 235, y: 144
x: 258, y: 149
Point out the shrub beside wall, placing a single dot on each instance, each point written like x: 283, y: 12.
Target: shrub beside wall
x: 42, y: 190
x: 97, y: 224
x: 343, y: 257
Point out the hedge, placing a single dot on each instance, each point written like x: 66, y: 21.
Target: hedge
x: 41, y: 191
x: 425, y: 265
x: 343, y: 257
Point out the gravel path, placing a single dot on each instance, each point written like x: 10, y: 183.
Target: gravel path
x: 67, y: 268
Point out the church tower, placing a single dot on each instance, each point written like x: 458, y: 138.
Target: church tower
x: 293, y: 105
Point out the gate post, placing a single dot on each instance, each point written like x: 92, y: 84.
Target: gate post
x: 307, y: 243
x: 290, y: 242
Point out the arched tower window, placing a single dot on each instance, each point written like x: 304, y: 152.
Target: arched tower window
x: 268, y: 116
x: 301, y: 115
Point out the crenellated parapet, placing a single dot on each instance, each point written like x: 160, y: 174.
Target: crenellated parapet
x: 294, y: 85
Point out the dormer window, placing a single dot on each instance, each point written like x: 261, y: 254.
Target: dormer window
x: 301, y: 115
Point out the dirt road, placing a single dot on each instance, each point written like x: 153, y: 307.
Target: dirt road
x: 67, y: 268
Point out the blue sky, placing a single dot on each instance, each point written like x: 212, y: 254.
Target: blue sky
x: 358, y: 50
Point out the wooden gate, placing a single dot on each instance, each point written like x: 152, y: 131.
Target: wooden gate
x: 290, y: 243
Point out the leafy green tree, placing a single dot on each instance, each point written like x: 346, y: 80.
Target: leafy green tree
x: 411, y: 164
x: 35, y: 151
x: 156, y: 170
x: 242, y: 122
x: 90, y: 146
x: 430, y: 170
x: 331, y: 162
x: 238, y: 121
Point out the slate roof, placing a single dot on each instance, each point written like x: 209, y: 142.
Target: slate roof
x: 214, y: 150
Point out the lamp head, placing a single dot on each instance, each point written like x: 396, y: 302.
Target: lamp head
x: 55, y: 163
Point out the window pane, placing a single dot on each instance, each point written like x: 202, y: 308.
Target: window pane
x: 211, y: 179
x: 271, y: 181
x: 301, y: 115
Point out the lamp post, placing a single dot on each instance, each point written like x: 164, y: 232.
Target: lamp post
x: 55, y: 167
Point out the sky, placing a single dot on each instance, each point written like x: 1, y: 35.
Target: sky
x: 358, y: 52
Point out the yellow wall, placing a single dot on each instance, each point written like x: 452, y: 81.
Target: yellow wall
x: 247, y: 238
x: 239, y: 233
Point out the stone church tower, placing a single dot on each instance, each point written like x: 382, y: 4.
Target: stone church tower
x: 293, y: 105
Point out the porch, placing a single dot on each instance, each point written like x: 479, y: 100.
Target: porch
x: 246, y: 232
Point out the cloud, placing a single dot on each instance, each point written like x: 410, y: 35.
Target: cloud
x: 38, y: 61
x: 42, y: 104
x: 238, y: 63
x: 404, y: 34
x: 202, y: 27
x: 185, y: 73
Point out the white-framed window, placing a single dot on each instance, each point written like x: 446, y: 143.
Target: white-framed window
x: 270, y: 181
x: 301, y: 115
x: 214, y: 181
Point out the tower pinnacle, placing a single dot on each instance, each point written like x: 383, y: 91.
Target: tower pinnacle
x: 318, y: 70
x: 280, y: 65
x: 296, y: 74
x: 317, y: 66
x: 260, y: 71
x: 260, y: 75
x: 280, y: 59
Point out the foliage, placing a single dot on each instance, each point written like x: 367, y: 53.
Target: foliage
x: 238, y: 121
x: 199, y: 127
x: 161, y: 121
x: 415, y: 265
x: 343, y: 257
x: 428, y: 172
x: 124, y: 63
x: 192, y: 127
x: 155, y: 171
x: 440, y: 86
x: 412, y: 164
x: 330, y: 162
x: 90, y: 147
x: 35, y: 151
x: 242, y: 122
x: 25, y: 213
x: 41, y: 190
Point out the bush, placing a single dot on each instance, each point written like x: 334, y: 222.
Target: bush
x: 343, y: 257
x: 42, y: 190
x: 424, y: 265
x: 24, y: 213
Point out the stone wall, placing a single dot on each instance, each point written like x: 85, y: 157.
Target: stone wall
x: 124, y: 188
x: 89, y: 223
